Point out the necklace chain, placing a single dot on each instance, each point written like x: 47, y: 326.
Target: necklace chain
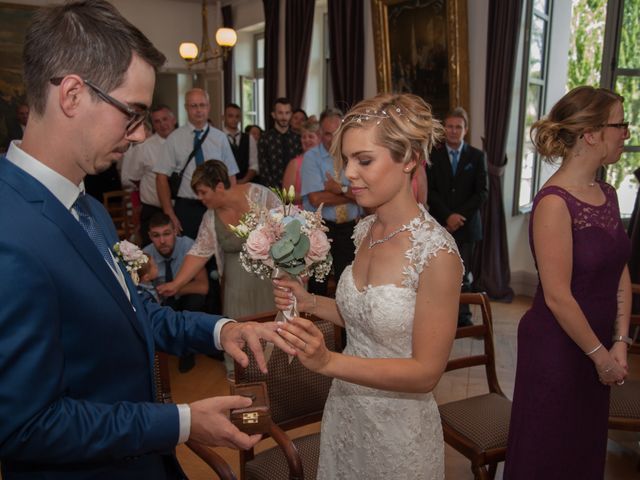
x: 373, y: 243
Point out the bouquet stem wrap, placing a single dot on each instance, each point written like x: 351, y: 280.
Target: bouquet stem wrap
x: 288, y: 314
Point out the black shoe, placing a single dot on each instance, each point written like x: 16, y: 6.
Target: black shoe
x: 464, y: 322
x: 186, y: 363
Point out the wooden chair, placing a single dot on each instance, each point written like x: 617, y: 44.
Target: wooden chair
x: 163, y: 395
x: 297, y: 397
x: 478, y: 427
x: 624, y: 404
x: 125, y: 217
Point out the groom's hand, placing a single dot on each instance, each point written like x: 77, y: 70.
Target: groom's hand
x: 210, y: 423
x: 234, y: 336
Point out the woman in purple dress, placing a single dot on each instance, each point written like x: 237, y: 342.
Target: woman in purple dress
x: 572, y: 343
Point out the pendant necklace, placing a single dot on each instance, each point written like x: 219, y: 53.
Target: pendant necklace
x: 373, y: 243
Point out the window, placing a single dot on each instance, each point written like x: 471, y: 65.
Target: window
x: 533, y: 85
x: 621, y: 73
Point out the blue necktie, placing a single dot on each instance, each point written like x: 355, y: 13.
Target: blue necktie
x: 454, y: 160
x: 196, y: 139
x: 81, y: 206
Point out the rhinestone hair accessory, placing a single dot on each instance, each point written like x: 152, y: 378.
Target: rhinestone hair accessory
x: 370, y: 114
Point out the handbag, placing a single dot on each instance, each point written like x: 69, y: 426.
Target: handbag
x: 175, y: 180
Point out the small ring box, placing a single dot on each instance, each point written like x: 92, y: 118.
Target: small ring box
x: 256, y: 418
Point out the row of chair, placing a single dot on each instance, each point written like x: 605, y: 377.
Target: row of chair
x: 477, y: 427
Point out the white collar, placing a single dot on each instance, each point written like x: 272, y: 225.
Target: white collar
x: 61, y: 187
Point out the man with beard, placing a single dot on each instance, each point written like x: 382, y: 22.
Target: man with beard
x: 278, y: 145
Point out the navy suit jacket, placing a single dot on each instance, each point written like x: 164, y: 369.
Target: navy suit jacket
x: 76, y: 356
x: 461, y: 193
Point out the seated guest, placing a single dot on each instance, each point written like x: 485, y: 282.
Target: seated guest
x: 168, y: 250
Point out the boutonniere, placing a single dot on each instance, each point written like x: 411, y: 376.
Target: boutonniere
x: 130, y: 255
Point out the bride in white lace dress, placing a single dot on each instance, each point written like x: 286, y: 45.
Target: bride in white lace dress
x: 398, y: 302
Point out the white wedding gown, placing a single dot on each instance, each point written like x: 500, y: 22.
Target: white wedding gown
x: 374, y: 434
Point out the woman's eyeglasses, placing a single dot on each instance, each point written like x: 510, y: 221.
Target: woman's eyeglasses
x: 136, y: 114
x: 622, y: 125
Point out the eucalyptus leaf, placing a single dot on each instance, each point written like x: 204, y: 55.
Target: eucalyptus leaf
x: 302, y: 247
x: 292, y: 231
x: 282, y: 248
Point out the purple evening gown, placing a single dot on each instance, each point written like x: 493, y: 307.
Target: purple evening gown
x: 560, y: 408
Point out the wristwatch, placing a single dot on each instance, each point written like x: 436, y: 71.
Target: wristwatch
x: 344, y: 188
x: 622, y: 338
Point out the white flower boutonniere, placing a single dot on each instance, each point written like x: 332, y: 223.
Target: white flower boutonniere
x: 131, y: 257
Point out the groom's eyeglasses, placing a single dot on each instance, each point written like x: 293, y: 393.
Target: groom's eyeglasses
x: 136, y: 114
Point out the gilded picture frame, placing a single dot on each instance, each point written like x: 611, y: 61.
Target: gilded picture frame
x: 412, y: 56
x: 14, y: 19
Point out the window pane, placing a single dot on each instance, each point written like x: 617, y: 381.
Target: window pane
x: 585, y: 47
x: 527, y: 170
x: 536, y: 49
x: 630, y: 33
x: 629, y: 88
x: 260, y: 53
x: 541, y: 5
x: 621, y: 176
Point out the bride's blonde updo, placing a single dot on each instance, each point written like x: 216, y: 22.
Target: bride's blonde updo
x: 583, y: 109
x: 403, y: 124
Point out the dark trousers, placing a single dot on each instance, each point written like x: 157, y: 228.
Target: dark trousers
x: 466, y: 253
x: 146, y: 212
x: 189, y: 303
x: 342, y: 250
x: 189, y: 212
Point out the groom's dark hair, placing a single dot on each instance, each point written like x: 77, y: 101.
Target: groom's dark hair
x: 89, y: 38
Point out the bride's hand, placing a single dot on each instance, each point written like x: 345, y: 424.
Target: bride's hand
x: 285, y: 289
x: 308, y: 342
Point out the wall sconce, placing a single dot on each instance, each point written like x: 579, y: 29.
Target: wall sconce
x: 226, y: 39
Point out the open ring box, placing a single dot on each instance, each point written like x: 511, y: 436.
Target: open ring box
x: 255, y: 418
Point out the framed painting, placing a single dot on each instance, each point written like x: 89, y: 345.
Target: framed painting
x: 14, y: 20
x: 421, y: 47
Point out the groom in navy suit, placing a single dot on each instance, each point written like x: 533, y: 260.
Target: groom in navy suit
x: 76, y: 341
x: 458, y: 186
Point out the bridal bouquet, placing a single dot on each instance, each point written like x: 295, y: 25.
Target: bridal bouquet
x: 284, y: 240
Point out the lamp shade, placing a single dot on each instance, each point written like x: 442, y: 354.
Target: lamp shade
x: 188, y: 50
x: 226, y: 37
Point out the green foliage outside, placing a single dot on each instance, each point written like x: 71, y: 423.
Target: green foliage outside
x: 585, y: 57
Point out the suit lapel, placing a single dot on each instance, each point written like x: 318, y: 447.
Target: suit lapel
x: 51, y: 208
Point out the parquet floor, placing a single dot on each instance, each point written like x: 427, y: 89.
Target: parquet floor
x: 208, y: 379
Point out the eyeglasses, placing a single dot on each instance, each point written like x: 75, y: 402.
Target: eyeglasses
x: 623, y: 125
x: 136, y: 114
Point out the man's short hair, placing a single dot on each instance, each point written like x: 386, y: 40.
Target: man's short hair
x: 458, y: 112
x: 159, y: 219
x: 330, y: 112
x: 232, y: 105
x: 161, y: 106
x: 281, y: 101
x: 88, y: 38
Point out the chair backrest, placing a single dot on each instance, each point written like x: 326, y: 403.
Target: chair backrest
x: 296, y: 395
x: 634, y: 325
x: 124, y: 216
x: 484, y: 330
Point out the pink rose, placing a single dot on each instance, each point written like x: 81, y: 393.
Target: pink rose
x: 258, y: 245
x: 319, y: 246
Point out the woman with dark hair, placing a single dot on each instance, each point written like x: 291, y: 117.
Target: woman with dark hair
x: 572, y: 343
x: 243, y: 293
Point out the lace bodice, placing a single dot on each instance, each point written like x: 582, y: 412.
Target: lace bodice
x: 207, y: 243
x: 367, y: 431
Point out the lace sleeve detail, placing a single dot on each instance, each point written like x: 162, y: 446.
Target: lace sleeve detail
x: 361, y: 230
x: 428, y: 237
x: 263, y: 197
x: 206, y: 244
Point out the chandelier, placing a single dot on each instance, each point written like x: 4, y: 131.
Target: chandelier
x: 226, y: 39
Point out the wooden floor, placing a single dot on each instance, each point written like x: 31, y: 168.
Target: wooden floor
x: 208, y: 379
